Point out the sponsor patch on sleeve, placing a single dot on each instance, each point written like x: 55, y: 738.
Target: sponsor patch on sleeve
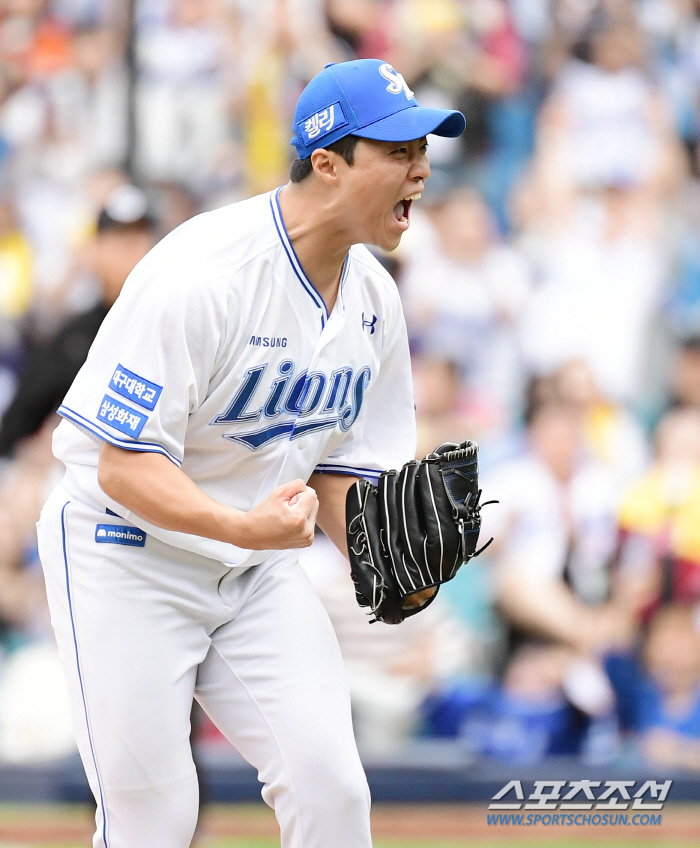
x: 121, y: 417
x: 120, y: 534
x: 135, y: 388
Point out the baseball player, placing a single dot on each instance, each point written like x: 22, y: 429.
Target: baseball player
x: 255, y: 348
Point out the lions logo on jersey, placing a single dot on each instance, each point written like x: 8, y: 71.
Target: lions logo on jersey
x: 336, y: 400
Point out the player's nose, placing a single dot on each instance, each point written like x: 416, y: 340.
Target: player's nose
x: 420, y: 170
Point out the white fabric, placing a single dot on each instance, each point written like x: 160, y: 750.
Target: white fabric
x: 222, y: 296
x: 256, y: 648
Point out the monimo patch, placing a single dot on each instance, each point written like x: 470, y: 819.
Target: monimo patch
x: 120, y: 534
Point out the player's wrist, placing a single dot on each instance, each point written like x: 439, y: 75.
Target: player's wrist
x: 240, y: 529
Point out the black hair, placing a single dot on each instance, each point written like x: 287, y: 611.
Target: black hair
x: 345, y: 147
x: 105, y: 223
x: 691, y: 344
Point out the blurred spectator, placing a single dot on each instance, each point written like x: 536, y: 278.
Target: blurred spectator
x: 94, y: 95
x: 24, y: 487
x: 660, y: 696
x: 16, y: 290
x: 443, y: 412
x: 124, y: 235
x: 682, y: 306
x: 182, y: 100
x: 15, y: 265
x: 659, y: 549
x: 390, y: 669
x: 35, y: 721
x: 671, y: 29
x: 555, y: 532
x: 173, y: 204
x: 520, y: 720
x: 549, y: 702
x: 281, y: 45
x: 462, y: 291
x: 613, y: 437
x: 602, y: 272
x: 604, y: 124
x: 685, y: 384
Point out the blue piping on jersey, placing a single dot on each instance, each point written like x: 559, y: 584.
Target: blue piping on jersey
x: 327, y: 468
x: 146, y: 447
x: 80, y: 673
x: 294, y: 259
x: 343, y: 278
x: 296, y: 264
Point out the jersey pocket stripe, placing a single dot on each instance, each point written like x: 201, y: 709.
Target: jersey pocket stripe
x: 137, y: 389
x: 121, y: 417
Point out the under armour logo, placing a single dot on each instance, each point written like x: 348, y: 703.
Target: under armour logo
x: 397, y: 83
x: 369, y: 324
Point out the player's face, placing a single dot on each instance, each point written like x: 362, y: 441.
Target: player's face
x: 380, y: 187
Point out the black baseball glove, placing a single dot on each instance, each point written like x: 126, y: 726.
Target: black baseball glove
x: 413, y: 530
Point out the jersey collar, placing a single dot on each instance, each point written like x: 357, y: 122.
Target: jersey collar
x: 296, y: 264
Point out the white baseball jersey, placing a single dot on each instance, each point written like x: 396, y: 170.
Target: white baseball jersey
x: 221, y: 355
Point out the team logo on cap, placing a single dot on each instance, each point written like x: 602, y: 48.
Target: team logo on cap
x: 397, y: 83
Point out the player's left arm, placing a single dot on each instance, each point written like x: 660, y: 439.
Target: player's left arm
x: 331, y: 490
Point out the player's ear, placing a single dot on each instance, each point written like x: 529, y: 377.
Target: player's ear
x: 325, y: 164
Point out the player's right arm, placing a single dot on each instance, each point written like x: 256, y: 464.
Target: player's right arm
x: 152, y: 487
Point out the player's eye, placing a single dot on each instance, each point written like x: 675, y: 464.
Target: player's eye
x: 402, y: 151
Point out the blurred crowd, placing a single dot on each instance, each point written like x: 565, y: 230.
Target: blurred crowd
x: 551, y: 286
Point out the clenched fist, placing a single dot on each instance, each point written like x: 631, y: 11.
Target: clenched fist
x: 285, y: 519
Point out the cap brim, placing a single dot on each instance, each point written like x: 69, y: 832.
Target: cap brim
x: 415, y: 122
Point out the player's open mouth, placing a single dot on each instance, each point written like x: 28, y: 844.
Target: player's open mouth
x: 402, y: 208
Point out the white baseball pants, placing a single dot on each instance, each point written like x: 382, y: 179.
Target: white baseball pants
x: 141, y: 630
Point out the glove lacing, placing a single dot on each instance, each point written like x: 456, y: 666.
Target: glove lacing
x: 360, y: 537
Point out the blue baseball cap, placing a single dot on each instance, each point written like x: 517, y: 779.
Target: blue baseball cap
x: 368, y: 98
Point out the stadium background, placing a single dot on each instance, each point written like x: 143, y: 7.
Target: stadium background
x: 551, y: 283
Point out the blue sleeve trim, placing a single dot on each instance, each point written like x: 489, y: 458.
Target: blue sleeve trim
x: 95, y: 429
x: 354, y: 471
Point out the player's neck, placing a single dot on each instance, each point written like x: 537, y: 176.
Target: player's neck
x: 318, y: 238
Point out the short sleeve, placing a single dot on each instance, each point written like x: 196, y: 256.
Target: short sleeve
x: 384, y: 434
x: 149, y: 366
